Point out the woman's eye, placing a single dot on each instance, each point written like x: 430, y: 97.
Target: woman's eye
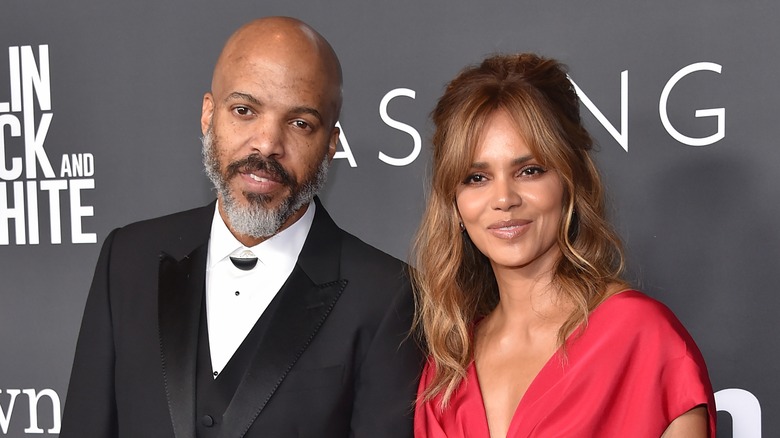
x: 474, y: 179
x: 532, y: 171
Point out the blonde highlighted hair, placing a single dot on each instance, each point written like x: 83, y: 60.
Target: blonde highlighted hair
x: 454, y: 282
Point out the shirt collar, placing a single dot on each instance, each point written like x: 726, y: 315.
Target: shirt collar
x: 282, y: 249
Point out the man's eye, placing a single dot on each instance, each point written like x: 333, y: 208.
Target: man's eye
x: 242, y: 111
x: 301, y: 124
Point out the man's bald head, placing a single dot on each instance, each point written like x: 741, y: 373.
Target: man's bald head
x: 291, y: 43
x: 269, y: 124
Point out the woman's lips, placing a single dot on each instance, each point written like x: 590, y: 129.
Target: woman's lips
x: 509, y: 229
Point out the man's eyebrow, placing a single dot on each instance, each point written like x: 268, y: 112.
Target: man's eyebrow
x: 242, y: 96
x: 307, y: 110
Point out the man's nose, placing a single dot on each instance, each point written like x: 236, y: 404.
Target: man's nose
x: 268, y: 138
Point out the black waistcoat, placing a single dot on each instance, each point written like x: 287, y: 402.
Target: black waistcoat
x: 213, y: 395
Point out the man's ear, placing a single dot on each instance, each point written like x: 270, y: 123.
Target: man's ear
x: 206, y: 112
x: 334, y: 140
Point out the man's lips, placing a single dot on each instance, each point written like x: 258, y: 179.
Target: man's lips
x: 262, y: 177
x: 260, y: 182
x: 509, y: 229
x: 258, y: 173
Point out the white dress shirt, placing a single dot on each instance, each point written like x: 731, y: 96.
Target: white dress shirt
x: 235, y: 299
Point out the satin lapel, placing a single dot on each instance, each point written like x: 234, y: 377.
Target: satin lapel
x: 302, y: 310
x: 181, y: 285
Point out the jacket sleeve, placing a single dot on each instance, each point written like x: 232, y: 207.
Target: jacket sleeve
x: 90, y: 407
x: 388, y: 377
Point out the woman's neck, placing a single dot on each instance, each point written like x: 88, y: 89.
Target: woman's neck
x: 528, y: 300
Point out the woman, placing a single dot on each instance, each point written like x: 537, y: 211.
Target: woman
x: 529, y: 327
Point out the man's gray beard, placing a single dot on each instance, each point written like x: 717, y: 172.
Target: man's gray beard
x: 255, y: 219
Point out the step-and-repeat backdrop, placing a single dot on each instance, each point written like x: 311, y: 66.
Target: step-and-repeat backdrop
x: 99, y: 127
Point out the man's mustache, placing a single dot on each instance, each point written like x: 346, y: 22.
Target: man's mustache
x: 256, y: 162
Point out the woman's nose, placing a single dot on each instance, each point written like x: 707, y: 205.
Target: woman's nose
x: 505, y: 195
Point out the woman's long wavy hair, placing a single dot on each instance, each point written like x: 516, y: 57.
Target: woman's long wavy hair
x: 454, y: 282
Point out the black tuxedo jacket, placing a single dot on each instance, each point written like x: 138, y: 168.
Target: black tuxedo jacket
x: 334, y: 360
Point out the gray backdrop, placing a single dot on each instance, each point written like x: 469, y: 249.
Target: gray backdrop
x: 109, y: 93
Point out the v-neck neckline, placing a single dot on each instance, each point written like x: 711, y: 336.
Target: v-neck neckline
x: 535, y: 388
x: 547, y: 376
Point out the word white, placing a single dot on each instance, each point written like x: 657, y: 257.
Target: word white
x: 622, y: 136
x: 33, y: 399
x: 53, y: 187
x: 30, y: 84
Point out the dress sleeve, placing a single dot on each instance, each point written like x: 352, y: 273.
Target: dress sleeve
x: 686, y: 383
x: 633, y: 371
x: 668, y: 364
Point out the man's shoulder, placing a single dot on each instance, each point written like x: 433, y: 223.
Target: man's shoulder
x: 354, y: 245
x: 172, y: 232
x: 186, y: 218
x: 377, y: 281
x: 354, y: 252
x: 360, y: 257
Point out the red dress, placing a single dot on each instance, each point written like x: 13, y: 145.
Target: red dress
x: 631, y: 372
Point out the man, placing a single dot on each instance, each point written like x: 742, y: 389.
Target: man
x: 257, y: 316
